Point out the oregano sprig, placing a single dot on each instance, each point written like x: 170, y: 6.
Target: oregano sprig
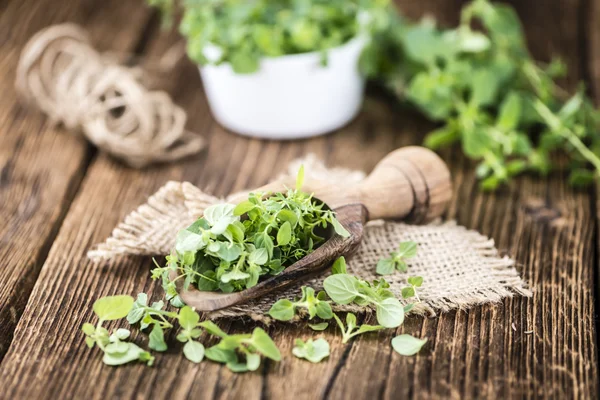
x: 116, y: 350
x: 250, y: 346
x: 285, y: 310
x: 414, y: 282
x: 351, y: 329
x: 397, y: 259
x: 487, y: 93
x: 345, y: 289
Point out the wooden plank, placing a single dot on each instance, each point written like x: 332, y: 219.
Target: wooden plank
x: 69, y: 283
x: 470, y: 354
x: 42, y: 166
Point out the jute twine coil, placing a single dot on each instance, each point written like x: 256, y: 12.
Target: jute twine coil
x: 461, y: 268
x: 88, y: 92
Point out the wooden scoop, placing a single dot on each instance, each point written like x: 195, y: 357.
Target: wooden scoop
x: 411, y: 184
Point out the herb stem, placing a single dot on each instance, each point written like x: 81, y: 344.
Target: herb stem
x: 555, y: 124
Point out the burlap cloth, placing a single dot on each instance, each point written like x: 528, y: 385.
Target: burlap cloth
x: 461, y: 268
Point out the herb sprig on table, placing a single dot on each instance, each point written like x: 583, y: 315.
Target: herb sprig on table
x: 242, y: 352
x: 239, y: 352
x: 313, y: 351
x: 488, y: 93
x: 223, y: 251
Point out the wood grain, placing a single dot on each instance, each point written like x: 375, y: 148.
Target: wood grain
x: 41, y: 166
x: 485, y: 352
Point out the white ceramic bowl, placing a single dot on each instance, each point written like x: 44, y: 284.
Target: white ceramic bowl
x: 289, y: 97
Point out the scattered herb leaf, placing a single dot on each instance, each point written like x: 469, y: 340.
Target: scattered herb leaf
x: 319, y: 327
x: 313, y: 351
x: 407, y: 345
x: 285, y: 310
x: 351, y: 330
x: 397, y: 259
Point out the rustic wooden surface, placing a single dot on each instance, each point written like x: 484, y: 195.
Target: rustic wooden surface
x: 58, y: 196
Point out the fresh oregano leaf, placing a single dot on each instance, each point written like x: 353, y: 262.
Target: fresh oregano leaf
x: 282, y: 310
x: 300, y: 178
x: 320, y: 326
x: 390, y: 313
x: 408, y: 292
x: 157, y: 339
x: 339, y: 228
x: 407, y: 249
x: 188, y: 318
x: 339, y: 266
x: 407, y: 345
x: 415, y: 281
x: 252, y: 361
x: 132, y: 353
x: 265, y: 345
x: 386, y: 266
x: 313, y: 351
x: 285, y: 234
x: 193, y: 351
x: 341, y: 288
x: 111, y: 308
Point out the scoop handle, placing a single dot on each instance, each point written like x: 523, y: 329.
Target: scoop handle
x: 411, y: 184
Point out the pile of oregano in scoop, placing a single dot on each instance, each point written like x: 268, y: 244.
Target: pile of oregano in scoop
x: 223, y: 251
x: 245, y: 31
x: 488, y: 93
x: 243, y: 352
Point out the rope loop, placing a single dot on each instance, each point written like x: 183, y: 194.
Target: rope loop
x: 65, y: 77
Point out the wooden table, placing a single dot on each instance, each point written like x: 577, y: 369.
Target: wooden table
x: 59, y: 196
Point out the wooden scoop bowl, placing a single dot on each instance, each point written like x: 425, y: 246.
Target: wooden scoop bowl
x: 411, y: 184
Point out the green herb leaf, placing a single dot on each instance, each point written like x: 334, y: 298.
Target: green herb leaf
x: 193, y: 351
x: 131, y: 353
x: 313, y: 351
x: 282, y: 310
x: 188, y: 318
x: 407, y: 345
x: 218, y: 354
x: 212, y: 328
x: 339, y: 266
x: 320, y: 326
x: 407, y: 249
x: 284, y: 234
x: 386, y: 266
x: 510, y: 112
x: 111, y: 308
x: 188, y: 242
x: 408, y: 292
x: 339, y: 228
x: 323, y: 310
x: 415, y: 281
x: 341, y: 288
x: 300, y: 178
x: 243, y: 208
x: 390, y: 313
x: 88, y: 328
x: 157, y: 339
x: 265, y: 345
x: 252, y: 361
